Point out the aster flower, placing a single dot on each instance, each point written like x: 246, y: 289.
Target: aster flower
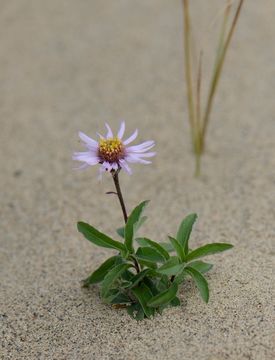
x: 113, y: 153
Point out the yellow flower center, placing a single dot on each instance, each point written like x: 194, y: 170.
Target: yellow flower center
x: 110, y: 150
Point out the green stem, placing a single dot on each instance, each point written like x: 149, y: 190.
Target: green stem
x: 123, y: 208
x: 119, y: 194
x: 135, y: 263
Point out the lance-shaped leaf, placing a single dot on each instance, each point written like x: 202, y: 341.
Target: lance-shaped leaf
x: 143, y: 295
x: 140, y: 222
x: 151, y: 285
x: 167, y: 246
x: 200, y: 281
x: 200, y: 266
x: 121, y: 299
x: 184, y: 231
x: 111, y: 277
x: 180, y: 277
x: 171, y: 267
x: 98, y: 238
x: 99, y: 274
x: 208, y: 250
x: 165, y: 297
x: 132, y: 225
x: 137, y: 278
x: 121, y: 231
x: 149, y: 254
x: 144, y: 242
x: 179, y: 249
x: 175, y: 302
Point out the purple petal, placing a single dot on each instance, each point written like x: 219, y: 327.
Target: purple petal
x: 100, y: 136
x: 125, y: 166
x: 86, y: 157
x: 87, y: 140
x: 131, y: 138
x: 147, y: 145
x: 149, y: 154
x: 109, y: 132
x: 121, y: 130
x: 114, y: 166
x: 100, y: 172
x: 107, y: 166
x: 136, y: 159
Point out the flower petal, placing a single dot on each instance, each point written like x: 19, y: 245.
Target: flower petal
x: 87, y: 140
x: 114, y: 166
x: 149, y: 154
x: 109, y: 132
x: 136, y: 159
x: 125, y: 166
x: 109, y: 166
x: 87, y: 157
x: 100, y: 136
x: 131, y: 138
x: 147, y: 145
x: 121, y: 130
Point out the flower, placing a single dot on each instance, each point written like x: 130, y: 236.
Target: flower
x: 112, y: 152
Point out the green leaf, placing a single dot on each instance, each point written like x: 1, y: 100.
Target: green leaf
x: 200, y: 266
x: 144, y: 242
x: 121, y: 299
x: 99, y: 274
x: 135, y: 311
x: 99, y: 238
x: 140, y: 222
x: 143, y: 295
x: 184, y: 231
x: 171, y: 267
x: 127, y: 275
x: 167, y: 246
x: 151, y: 285
x: 179, y: 249
x: 200, y: 281
x: 165, y: 297
x: 175, y: 301
x: 132, y: 224
x: 163, y: 284
x: 180, y: 277
x: 149, y: 264
x: 208, y: 250
x: 111, y: 295
x: 111, y: 277
x: 149, y: 254
x: 137, y: 278
x: 120, y: 232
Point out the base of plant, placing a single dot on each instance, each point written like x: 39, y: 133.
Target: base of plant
x: 145, y: 275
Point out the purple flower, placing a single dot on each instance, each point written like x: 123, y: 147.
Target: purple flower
x: 112, y: 152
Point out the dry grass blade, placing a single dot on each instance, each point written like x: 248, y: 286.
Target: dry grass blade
x: 198, y: 93
x: 188, y: 67
x: 218, y: 67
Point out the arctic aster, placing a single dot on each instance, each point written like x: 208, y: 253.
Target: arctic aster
x: 112, y: 152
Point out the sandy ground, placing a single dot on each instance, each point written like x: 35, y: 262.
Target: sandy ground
x: 68, y: 65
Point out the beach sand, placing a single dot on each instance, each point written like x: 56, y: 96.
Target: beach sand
x: 72, y: 65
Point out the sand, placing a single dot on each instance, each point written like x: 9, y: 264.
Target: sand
x: 71, y: 65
